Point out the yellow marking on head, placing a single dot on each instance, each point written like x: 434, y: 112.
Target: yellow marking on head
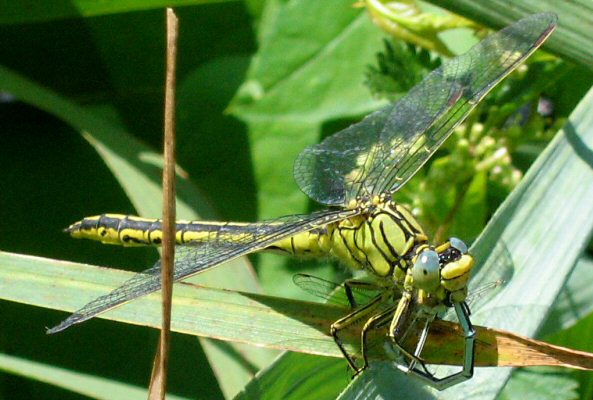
x: 455, y: 275
x: 441, y: 248
x: 458, y: 268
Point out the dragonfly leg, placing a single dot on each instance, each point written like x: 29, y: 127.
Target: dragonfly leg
x: 373, y: 322
x: 351, y: 319
x: 467, y: 371
x: 399, y: 318
x: 351, y: 284
x: 419, y: 347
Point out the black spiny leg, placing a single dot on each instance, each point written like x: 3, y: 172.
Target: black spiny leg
x: 352, y: 318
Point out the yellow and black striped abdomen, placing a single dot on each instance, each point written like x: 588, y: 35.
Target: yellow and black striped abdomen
x: 127, y: 230
x: 130, y: 230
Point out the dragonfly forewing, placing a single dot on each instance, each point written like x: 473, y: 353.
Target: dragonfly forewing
x: 193, y: 259
x: 381, y: 153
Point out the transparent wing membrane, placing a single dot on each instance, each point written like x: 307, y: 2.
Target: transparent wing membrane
x: 192, y: 259
x: 362, y: 292
x: 383, y: 151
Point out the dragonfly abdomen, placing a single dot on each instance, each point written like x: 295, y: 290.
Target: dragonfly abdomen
x: 128, y: 230
x: 377, y: 241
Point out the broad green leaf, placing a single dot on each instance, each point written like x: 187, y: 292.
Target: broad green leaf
x: 580, y: 333
x: 197, y: 310
x: 295, y: 376
x: 138, y: 170
x: 243, y: 317
x: 303, y: 75
x: 574, y: 301
x: 572, y: 39
x: 309, y: 70
x: 16, y: 12
x: 87, y: 385
x: 529, y: 383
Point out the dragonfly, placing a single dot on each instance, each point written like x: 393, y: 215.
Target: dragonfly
x: 356, y: 294
x: 355, y: 173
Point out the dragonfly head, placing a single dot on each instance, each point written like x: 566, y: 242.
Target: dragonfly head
x: 443, y: 272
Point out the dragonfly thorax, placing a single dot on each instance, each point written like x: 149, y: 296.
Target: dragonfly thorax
x: 386, y: 240
x: 380, y: 240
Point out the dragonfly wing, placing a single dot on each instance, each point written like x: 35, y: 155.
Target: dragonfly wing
x: 192, y: 259
x: 382, y: 152
x: 363, y: 291
x: 330, y: 291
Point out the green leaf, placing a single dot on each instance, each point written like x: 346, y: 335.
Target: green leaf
x: 472, y: 212
x: 138, y: 169
x: 16, y: 12
x: 216, y: 313
x: 85, y: 384
x: 571, y: 40
x: 536, y: 384
x: 297, y: 81
x: 309, y: 69
x: 579, y: 334
x: 574, y: 301
x: 295, y: 376
x: 400, y: 66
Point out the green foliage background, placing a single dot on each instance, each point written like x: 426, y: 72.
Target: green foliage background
x: 258, y: 81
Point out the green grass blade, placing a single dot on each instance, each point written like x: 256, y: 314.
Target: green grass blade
x: 84, y: 384
x: 216, y: 313
x: 528, y: 384
x: 574, y: 302
x: 572, y: 39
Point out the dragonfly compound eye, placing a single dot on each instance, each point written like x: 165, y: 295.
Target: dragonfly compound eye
x: 458, y: 244
x: 426, y: 270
